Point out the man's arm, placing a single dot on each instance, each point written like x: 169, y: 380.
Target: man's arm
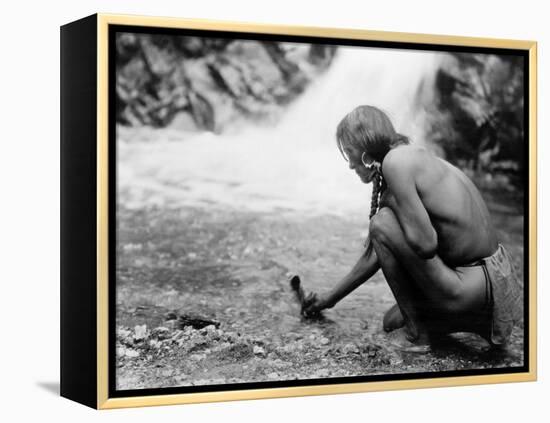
x: 366, y: 266
x: 364, y: 269
x: 401, y: 170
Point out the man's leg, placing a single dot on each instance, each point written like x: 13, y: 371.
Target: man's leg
x: 393, y: 318
x: 403, y: 289
x: 423, y: 286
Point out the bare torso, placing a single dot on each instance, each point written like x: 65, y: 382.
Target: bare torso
x: 456, y: 209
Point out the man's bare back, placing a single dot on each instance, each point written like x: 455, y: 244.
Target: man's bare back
x: 455, y: 207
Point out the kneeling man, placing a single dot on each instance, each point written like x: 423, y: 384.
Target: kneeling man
x: 430, y: 233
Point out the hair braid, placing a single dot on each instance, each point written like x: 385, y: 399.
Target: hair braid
x: 378, y: 187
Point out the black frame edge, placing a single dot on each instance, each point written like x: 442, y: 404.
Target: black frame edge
x: 78, y: 209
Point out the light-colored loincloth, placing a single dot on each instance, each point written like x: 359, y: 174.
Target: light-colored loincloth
x: 505, y: 296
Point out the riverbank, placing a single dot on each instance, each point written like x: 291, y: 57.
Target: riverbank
x: 232, y: 267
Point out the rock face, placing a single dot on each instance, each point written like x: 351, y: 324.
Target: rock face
x: 199, y: 83
x: 477, y: 118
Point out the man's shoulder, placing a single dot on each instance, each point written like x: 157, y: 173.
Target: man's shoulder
x: 407, y: 158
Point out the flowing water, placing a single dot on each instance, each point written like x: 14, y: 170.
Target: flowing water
x: 293, y: 165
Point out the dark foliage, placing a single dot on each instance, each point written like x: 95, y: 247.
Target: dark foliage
x: 477, y: 118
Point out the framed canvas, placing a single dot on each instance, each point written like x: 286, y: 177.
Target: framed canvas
x: 255, y: 211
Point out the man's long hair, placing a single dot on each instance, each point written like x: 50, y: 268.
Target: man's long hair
x: 370, y: 130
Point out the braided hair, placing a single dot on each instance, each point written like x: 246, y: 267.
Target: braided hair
x: 378, y: 188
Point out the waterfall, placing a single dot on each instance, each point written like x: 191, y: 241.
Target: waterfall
x: 294, y: 165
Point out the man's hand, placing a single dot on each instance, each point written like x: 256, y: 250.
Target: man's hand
x: 314, y: 303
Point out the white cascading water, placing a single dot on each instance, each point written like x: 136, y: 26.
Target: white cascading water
x: 294, y: 165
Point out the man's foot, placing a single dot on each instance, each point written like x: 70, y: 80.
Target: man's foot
x: 393, y: 319
x: 401, y: 340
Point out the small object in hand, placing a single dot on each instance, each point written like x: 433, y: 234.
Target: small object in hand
x: 296, y: 285
x: 305, y: 300
x: 310, y: 299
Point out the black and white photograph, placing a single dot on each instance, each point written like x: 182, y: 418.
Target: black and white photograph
x: 292, y: 210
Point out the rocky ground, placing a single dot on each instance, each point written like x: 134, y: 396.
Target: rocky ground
x: 203, y: 299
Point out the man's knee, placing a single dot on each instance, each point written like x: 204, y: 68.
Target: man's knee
x: 383, y: 224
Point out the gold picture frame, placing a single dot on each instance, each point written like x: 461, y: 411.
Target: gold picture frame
x: 93, y: 387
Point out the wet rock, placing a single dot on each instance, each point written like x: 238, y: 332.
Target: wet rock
x: 153, y: 343
x: 123, y: 333
x: 257, y: 350
x: 132, y: 353
x: 140, y: 332
x: 371, y: 350
x: 197, y: 357
x: 350, y: 349
x: 235, y: 353
x: 161, y: 332
x: 211, y: 329
x: 189, y: 330
x: 292, y: 348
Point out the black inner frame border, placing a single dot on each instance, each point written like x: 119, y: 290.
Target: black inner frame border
x: 112, y: 202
